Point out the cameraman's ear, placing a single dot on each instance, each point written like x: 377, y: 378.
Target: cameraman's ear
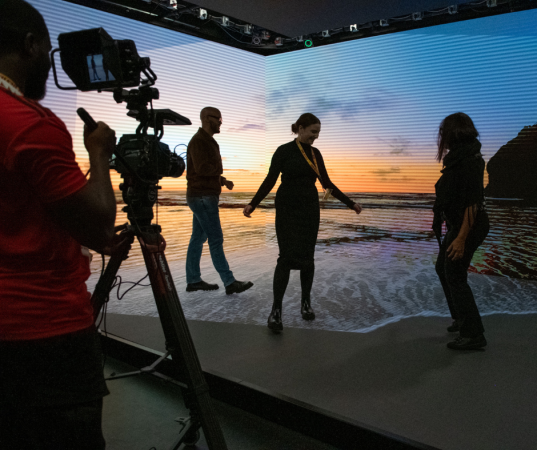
x: 31, y: 45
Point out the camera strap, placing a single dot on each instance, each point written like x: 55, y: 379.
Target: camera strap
x: 315, y: 167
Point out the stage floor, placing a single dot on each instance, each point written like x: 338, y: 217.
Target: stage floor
x: 399, y: 377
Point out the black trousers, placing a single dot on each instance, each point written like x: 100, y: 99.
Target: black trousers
x: 65, y: 427
x: 51, y: 393
x: 454, y: 277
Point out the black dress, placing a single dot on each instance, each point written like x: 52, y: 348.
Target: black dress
x: 297, y: 202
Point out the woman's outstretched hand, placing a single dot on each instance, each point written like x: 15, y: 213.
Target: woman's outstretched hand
x: 357, y: 208
x: 247, y: 210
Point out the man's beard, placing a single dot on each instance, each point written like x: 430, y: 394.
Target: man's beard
x: 216, y: 128
x: 36, y: 83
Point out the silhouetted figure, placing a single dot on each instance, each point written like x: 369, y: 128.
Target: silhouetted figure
x: 460, y: 203
x: 51, y: 375
x: 94, y: 68
x: 106, y: 71
x: 297, y: 211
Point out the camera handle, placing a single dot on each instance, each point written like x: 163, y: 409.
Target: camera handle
x: 92, y: 125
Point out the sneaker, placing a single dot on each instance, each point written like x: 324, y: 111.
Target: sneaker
x: 201, y: 286
x: 238, y: 286
x: 462, y: 343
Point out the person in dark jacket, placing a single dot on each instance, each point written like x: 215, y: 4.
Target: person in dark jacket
x: 297, y: 211
x: 460, y: 203
x: 204, y: 185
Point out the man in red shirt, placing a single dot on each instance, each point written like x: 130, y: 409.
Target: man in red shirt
x: 51, y: 379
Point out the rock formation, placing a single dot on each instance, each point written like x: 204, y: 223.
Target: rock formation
x: 513, y: 169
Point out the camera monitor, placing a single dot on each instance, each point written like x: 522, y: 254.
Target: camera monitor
x: 95, y: 61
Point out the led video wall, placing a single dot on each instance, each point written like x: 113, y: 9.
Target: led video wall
x: 192, y: 73
x: 380, y: 101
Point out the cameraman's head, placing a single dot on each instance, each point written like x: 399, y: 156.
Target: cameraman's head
x: 24, y: 47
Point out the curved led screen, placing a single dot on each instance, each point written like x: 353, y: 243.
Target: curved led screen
x: 380, y: 101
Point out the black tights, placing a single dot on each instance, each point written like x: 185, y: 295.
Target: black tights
x: 281, y: 280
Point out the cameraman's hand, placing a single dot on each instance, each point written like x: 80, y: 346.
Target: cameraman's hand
x: 121, y: 243
x: 101, y: 141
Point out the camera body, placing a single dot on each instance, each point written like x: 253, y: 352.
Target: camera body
x: 149, y: 157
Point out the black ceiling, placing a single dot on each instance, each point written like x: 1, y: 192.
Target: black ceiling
x: 301, y: 17
x: 282, y: 21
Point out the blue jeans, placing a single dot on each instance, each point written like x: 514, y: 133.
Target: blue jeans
x: 206, y: 225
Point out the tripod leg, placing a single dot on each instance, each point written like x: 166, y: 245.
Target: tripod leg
x: 104, y: 285
x: 178, y: 339
x: 119, y: 252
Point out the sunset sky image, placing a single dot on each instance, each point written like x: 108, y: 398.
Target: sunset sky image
x: 380, y: 100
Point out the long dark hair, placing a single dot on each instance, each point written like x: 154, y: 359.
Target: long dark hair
x: 455, y: 129
x: 304, y: 121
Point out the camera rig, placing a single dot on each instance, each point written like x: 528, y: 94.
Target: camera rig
x: 96, y: 62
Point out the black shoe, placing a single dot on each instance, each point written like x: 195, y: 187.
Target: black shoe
x: 275, y: 320
x: 462, y: 343
x: 201, y: 286
x: 238, y: 286
x: 306, y: 310
x: 455, y: 327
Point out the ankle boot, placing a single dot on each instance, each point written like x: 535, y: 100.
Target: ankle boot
x: 306, y: 310
x: 275, y: 320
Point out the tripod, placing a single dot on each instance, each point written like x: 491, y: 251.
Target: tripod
x: 139, y: 198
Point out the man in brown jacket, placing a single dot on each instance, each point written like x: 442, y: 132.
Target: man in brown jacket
x: 204, y: 185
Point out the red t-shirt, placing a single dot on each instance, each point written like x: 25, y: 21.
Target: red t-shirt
x: 42, y: 269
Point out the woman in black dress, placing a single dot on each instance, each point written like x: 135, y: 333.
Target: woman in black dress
x: 297, y: 211
x: 460, y: 203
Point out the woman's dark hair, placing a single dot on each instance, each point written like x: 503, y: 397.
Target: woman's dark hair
x: 304, y: 121
x: 17, y: 18
x: 455, y: 129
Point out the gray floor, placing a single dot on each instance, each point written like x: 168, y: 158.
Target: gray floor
x: 140, y: 414
x: 399, y: 377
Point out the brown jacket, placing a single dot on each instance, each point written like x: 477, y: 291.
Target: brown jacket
x: 204, y: 166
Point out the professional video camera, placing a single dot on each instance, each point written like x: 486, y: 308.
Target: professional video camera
x: 96, y: 62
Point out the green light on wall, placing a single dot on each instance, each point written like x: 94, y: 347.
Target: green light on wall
x: 308, y: 43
